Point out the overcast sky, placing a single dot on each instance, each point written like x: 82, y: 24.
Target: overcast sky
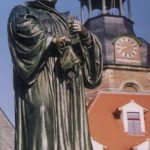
x: 140, y: 15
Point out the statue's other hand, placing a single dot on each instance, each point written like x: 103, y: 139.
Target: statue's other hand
x: 77, y: 27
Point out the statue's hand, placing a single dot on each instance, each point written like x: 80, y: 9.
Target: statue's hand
x: 77, y: 27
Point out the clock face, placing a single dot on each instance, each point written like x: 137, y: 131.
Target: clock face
x: 127, y: 47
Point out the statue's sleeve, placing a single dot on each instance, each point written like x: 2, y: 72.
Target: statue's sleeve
x: 93, y: 62
x: 29, y: 43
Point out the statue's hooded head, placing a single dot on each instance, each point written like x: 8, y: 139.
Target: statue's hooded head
x: 49, y: 2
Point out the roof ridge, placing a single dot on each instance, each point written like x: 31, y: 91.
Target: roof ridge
x: 7, y: 119
x: 125, y: 93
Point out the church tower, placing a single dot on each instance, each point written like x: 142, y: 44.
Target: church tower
x: 126, y: 57
x: 118, y: 110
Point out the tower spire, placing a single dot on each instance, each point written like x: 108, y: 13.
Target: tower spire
x: 110, y: 5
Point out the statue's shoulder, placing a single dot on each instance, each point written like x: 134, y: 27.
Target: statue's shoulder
x: 19, y: 10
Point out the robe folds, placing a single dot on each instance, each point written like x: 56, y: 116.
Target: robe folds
x: 50, y: 102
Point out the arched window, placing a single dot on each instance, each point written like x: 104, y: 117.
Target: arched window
x: 131, y: 87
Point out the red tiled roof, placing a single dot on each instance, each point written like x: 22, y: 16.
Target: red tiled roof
x: 109, y: 131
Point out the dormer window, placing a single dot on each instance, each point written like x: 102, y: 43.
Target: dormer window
x: 132, y: 116
x: 134, y: 123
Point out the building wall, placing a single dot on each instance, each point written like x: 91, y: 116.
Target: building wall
x: 117, y: 78
x: 6, y: 133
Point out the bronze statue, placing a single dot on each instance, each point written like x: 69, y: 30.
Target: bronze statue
x: 54, y: 58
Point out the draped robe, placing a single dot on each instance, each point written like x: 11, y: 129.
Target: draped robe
x: 50, y: 107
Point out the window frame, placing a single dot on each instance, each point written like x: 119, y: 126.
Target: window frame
x: 134, y: 123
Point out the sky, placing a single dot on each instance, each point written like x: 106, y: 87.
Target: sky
x: 140, y: 15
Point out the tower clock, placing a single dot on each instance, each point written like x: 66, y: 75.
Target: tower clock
x: 127, y: 50
x: 126, y: 57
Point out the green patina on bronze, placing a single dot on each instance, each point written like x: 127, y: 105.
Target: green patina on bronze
x: 50, y: 100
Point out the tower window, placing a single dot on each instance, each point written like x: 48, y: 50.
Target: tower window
x: 131, y: 87
x: 134, y: 124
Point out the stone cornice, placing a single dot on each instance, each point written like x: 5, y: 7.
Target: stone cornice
x: 127, y: 67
